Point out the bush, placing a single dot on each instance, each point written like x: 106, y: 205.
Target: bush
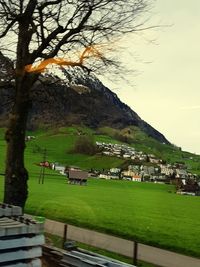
x: 85, y: 145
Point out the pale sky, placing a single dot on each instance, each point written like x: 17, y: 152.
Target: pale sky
x: 166, y: 92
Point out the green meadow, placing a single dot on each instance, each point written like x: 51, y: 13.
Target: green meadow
x: 150, y: 213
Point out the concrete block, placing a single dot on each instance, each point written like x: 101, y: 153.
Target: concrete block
x: 19, y: 225
x: 9, y: 210
x: 16, y: 211
x: 32, y: 263
x: 17, y: 242
x: 21, y: 254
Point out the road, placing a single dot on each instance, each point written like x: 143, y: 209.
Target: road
x: 124, y: 247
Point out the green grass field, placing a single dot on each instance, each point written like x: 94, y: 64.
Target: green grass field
x: 150, y: 213
x: 146, y: 212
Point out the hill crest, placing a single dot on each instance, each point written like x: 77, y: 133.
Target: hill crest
x: 56, y: 103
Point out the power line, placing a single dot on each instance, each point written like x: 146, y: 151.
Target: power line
x: 37, y: 173
x: 42, y: 170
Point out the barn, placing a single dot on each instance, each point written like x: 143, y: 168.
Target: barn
x: 77, y: 177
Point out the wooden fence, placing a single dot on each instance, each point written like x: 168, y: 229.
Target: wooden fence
x: 121, y: 246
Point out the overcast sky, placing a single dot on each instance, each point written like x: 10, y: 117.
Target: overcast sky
x: 166, y: 92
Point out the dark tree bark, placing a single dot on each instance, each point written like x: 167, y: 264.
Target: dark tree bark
x: 16, y: 175
x: 42, y: 30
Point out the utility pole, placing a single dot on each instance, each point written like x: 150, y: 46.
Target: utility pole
x: 42, y: 170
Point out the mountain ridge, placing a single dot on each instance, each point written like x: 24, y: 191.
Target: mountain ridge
x: 56, y: 103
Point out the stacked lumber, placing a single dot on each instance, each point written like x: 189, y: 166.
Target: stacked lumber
x: 21, y: 238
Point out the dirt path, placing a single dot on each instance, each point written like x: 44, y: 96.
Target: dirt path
x: 146, y: 253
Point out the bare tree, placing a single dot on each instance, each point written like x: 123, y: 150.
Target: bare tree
x: 42, y: 29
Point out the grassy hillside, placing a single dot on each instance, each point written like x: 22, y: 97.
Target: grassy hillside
x: 59, y: 143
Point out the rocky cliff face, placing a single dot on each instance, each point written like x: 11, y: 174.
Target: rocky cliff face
x: 56, y: 101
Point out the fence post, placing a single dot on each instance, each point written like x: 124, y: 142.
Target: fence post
x: 135, y: 252
x: 64, y: 235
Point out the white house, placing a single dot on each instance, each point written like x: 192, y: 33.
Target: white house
x: 104, y: 176
x: 136, y: 178
x: 61, y: 169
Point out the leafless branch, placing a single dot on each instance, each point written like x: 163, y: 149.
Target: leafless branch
x: 56, y: 26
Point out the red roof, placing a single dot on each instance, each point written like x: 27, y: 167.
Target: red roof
x: 136, y: 177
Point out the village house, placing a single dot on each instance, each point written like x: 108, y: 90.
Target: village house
x: 127, y: 156
x: 128, y: 174
x: 57, y: 167
x: 166, y: 170
x: 45, y: 164
x: 115, y: 173
x: 104, y: 176
x: 161, y: 178
x: 136, y: 178
x: 132, y: 174
x: 150, y: 170
x: 77, y: 177
x: 181, y: 173
x: 107, y: 153
x: 60, y: 168
x: 117, y: 152
x: 135, y: 168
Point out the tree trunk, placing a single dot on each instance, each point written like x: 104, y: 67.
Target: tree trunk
x: 16, y: 176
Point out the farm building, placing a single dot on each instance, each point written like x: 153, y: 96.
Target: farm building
x: 77, y: 177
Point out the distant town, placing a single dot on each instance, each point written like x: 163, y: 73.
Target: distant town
x: 142, y: 168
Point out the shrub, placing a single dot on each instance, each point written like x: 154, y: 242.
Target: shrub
x: 85, y: 145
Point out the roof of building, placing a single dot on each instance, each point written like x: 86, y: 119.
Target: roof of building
x: 78, y: 174
x: 136, y: 176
